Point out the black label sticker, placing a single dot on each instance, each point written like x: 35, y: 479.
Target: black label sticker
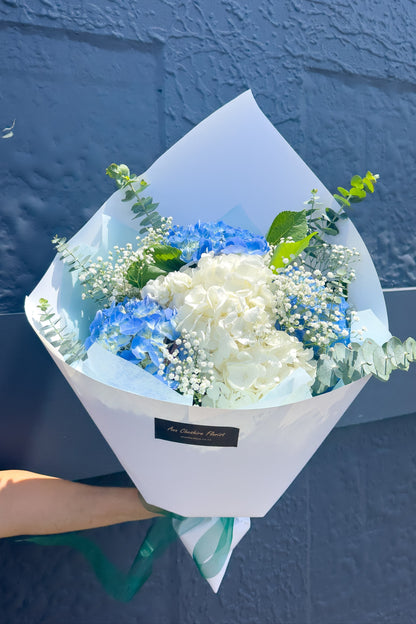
x: 203, y: 435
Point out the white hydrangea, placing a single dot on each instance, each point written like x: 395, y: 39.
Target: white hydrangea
x: 227, y: 301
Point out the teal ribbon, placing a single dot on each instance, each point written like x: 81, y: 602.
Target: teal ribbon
x: 117, y: 584
x: 210, y: 552
x: 213, y: 547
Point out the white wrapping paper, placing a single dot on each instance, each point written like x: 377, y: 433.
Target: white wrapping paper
x: 234, y: 162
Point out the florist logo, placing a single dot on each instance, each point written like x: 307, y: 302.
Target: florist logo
x: 202, y: 435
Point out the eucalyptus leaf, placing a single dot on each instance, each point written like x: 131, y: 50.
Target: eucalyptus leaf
x: 396, y: 350
x: 410, y: 345
x: 343, y: 191
x: 357, y: 360
x: 130, y: 193
x: 356, y: 181
x: 357, y: 192
x: 368, y: 183
x: 342, y: 200
x: 331, y: 230
x: 332, y: 215
x: 54, y: 329
x: 379, y: 359
x: 147, y: 220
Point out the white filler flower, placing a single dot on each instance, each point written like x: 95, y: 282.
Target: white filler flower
x: 228, y: 302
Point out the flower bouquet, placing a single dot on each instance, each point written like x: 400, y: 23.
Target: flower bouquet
x: 217, y: 336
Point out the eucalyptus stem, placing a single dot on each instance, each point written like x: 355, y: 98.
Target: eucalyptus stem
x: 144, y: 208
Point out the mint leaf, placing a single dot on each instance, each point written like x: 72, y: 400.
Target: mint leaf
x: 167, y: 258
x: 139, y: 273
x: 286, y: 252
x: 287, y: 224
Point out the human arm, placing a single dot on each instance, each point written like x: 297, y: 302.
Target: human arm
x: 35, y: 504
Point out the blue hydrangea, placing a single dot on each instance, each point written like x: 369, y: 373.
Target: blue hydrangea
x: 136, y: 330
x: 194, y: 240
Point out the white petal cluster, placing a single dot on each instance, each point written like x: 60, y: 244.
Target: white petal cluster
x: 228, y: 302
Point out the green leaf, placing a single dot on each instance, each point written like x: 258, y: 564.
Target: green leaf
x: 129, y: 195
x: 356, y: 181
x: 139, y: 273
x: 332, y: 230
x: 358, y: 192
x: 134, y: 274
x: 343, y: 191
x: 342, y: 200
x: 145, y: 206
x: 289, y: 251
x: 326, y: 375
x: 49, y: 333
x: 369, y: 180
x: 149, y: 204
x: 54, y: 329
x: 288, y: 224
x: 167, y: 258
x: 368, y: 183
x: 410, y: 346
x: 45, y: 316
x: 151, y: 271
x: 396, y: 351
x: 331, y: 214
x: 367, y: 348
x: 43, y: 304
x: 119, y: 173
x: 149, y: 220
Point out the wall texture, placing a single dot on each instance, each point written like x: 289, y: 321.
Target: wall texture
x: 89, y: 84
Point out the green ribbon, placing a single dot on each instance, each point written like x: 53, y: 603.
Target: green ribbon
x: 210, y: 552
x: 213, y: 547
x: 117, y: 584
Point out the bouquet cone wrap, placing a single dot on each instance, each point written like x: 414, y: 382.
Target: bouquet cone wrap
x: 234, y: 165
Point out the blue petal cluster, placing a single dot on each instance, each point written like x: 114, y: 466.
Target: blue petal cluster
x: 194, y: 240
x: 135, y: 330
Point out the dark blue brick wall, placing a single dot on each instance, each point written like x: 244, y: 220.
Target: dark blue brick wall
x: 91, y: 83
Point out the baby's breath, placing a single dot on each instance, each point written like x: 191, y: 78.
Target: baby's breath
x: 309, y: 307
x: 187, y: 367
x: 107, y: 279
x: 335, y: 262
